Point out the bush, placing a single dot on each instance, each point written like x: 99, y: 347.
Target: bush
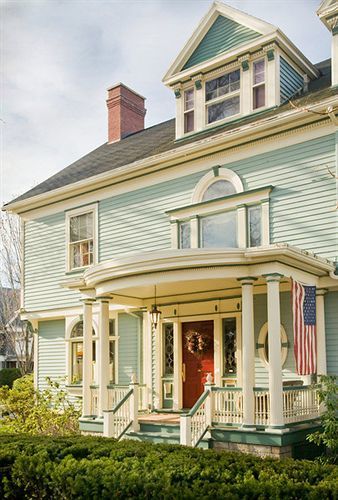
x: 48, y: 412
x: 328, y: 435
x: 8, y: 375
x: 99, y: 468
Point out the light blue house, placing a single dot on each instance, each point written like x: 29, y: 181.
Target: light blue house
x: 158, y: 268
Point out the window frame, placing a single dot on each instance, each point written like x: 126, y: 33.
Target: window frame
x: 224, y: 97
x: 188, y: 111
x: 260, y: 346
x: 75, y: 213
x: 260, y: 84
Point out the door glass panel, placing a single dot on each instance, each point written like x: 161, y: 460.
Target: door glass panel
x: 168, y: 333
x: 229, y: 346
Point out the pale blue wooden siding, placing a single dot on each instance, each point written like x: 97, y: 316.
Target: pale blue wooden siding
x: 51, y: 351
x: 129, y: 345
x: 136, y: 221
x: 224, y: 35
x: 45, y: 264
x: 302, y: 213
x: 260, y: 317
x: 290, y: 80
x: 331, y: 327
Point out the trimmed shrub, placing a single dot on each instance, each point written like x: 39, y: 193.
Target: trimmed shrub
x: 98, y: 468
x: 8, y: 375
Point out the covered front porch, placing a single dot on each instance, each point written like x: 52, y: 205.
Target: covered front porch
x: 221, y: 353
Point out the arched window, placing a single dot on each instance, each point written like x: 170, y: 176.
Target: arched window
x: 218, y: 189
x: 76, y: 340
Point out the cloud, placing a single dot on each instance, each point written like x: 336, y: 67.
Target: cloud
x: 60, y: 57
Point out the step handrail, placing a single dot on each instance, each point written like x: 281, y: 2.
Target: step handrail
x: 195, y: 423
x: 124, y: 414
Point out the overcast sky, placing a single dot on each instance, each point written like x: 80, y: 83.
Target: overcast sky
x: 59, y: 56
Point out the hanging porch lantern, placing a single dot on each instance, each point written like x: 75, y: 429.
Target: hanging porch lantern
x: 155, y: 314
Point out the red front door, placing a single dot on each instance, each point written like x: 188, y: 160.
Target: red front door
x: 196, y: 363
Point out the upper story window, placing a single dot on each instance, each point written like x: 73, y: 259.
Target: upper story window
x: 222, y: 214
x: 218, y: 189
x: 188, y: 110
x: 81, y: 237
x: 222, y: 96
x: 258, y: 84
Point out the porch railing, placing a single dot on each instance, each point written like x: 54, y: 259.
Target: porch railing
x: 117, y: 392
x: 300, y: 404
x: 262, y: 406
x: 228, y: 405
x: 94, y: 400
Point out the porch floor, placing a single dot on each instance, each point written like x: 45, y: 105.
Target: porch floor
x: 160, y: 418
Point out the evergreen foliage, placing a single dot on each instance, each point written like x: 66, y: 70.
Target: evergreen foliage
x: 99, y: 468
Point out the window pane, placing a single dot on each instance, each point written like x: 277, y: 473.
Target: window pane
x: 81, y: 227
x: 218, y: 189
x: 111, y: 328
x: 259, y: 72
x: 229, y: 346
x: 255, y: 226
x: 188, y: 99
x: 77, y: 330
x: 112, y: 361
x: 259, y: 96
x: 222, y: 85
x: 77, y: 362
x: 223, y: 109
x: 189, y: 122
x: 185, y: 232
x: 219, y: 231
x: 168, y: 333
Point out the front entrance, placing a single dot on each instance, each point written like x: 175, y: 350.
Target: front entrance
x: 197, y: 358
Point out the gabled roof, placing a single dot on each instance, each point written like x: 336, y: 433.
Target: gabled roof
x: 328, y: 13
x: 220, y: 30
x: 160, y: 139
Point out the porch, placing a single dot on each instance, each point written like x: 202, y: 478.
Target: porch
x: 214, y: 295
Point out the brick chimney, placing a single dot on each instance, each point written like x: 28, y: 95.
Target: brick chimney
x: 126, y: 112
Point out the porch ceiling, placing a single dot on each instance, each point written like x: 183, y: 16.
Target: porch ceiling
x: 197, y: 271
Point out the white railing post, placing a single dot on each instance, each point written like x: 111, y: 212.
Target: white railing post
x: 209, y: 402
x: 185, y: 430
x: 108, y: 423
x: 134, y: 399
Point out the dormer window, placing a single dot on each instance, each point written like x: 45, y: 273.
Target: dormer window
x: 222, y: 96
x: 258, y: 84
x: 189, y: 110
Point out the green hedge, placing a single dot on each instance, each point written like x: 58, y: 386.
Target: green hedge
x: 98, y: 468
x: 8, y: 375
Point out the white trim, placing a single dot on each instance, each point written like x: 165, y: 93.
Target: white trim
x: 261, y: 340
x: 209, y: 178
x: 93, y: 208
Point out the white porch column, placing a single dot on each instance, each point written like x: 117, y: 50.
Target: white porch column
x: 248, y: 352
x: 87, y: 355
x: 275, y: 355
x: 321, y: 342
x: 103, y: 353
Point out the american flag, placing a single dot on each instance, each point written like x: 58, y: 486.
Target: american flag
x: 304, y: 327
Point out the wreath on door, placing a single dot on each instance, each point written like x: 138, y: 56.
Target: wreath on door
x: 197, y: 343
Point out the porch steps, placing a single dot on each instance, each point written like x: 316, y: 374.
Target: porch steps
x: 161, y: 433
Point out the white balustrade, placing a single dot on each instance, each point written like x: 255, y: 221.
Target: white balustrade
x: 300, y: 403
x: 94, y: 400
x: 228, y: 406
x: 262, y: 406
x: 115, y: 394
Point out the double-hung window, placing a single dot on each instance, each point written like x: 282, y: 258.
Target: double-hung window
x: 258, y: 84
x: 222, y: 96
x: 189, y: 111
x: 81, y: 241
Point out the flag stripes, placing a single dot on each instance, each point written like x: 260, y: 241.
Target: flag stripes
x: 304, y: 327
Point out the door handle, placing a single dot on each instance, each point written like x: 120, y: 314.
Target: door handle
x: 183, y: 372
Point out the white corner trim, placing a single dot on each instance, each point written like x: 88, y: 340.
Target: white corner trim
x: 209, y: 178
